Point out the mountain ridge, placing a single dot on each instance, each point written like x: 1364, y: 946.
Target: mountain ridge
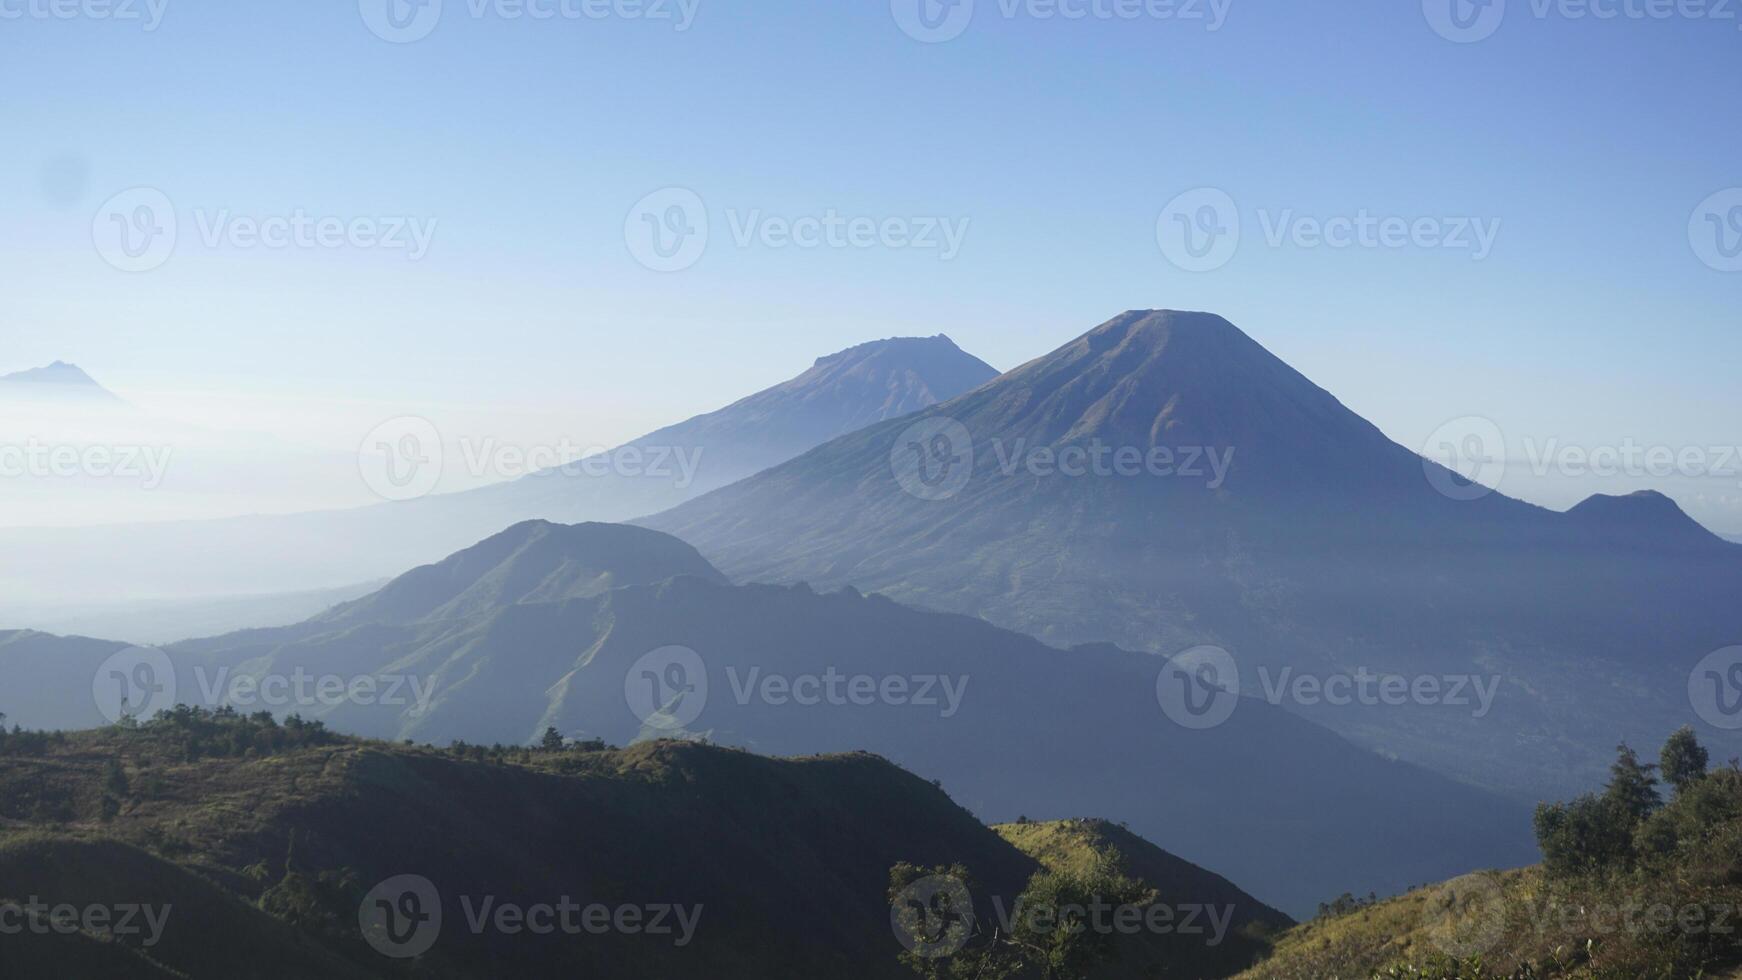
x: 56, y: 381
x: 334, y: 549
x: 1326, y: 548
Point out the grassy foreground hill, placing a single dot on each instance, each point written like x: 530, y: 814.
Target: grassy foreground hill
x: 1239, y: 928
x: 1630, y: 890
x: 246, y: 847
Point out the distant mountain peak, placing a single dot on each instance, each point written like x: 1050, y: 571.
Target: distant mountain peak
x: 938, y: 345
x: 533, y: 561
x: 840, y: 393
x: 1644, y: 516
x: 55, y: 379
x: 1177, y: 379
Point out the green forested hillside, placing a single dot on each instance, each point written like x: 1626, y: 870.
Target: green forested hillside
x: 257, y: 848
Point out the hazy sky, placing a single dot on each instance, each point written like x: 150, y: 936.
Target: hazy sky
x: 521, y: 145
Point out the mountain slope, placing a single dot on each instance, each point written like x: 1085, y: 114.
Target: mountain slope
x: 299, y: 552
x: 1645, y: 520
x: 1214, y: 495
x: 58, y: 382
x: 1010, y: 725
x: 534, y: 561
x: 840, y: 393
x: 1243, y: 928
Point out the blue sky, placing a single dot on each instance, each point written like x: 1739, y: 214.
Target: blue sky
x: 1590, y: 142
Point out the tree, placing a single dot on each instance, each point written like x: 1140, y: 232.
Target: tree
x: 1683, y: 761
x: 942, y: 942
x: 115, y: 779
x: 1589, y: 834
x: 1632, y: 788
x: 552, y: 740
x: 1063, y: 931
x: 1064, y: 926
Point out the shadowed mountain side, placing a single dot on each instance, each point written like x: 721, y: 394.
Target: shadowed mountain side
x: 299, y: 831
x: 202, y: 924
x: 1319, y: 546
